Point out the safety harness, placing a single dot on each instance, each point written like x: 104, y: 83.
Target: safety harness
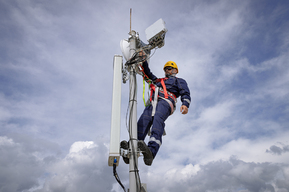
x: 155, y: 89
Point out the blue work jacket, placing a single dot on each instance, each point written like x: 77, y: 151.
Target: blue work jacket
x: 175, y: 85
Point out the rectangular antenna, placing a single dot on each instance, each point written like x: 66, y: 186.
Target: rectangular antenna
x: 115, y: 114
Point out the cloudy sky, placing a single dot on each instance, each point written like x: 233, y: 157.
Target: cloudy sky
x: 56, y: 75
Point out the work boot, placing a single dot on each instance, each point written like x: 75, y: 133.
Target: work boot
x: 147, y: 154
x: 124, y: 145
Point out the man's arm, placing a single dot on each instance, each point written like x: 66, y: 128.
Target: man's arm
x: 148, y: 72
x: 185, y: 95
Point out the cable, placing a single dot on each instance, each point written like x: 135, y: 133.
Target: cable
x: 138, y: 181
x: 135, y: 59
x: 129, y: 127
x: 117, y: 178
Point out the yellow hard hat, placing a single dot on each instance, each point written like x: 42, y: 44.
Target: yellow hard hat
x: 171, y: 64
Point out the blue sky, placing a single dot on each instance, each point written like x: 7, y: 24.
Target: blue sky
x: 56, y: 72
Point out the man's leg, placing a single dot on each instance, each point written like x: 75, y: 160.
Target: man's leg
x: 163, y: 111
x: 144, y: 123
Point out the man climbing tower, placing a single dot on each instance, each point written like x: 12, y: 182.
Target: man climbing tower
x: 164, y: 94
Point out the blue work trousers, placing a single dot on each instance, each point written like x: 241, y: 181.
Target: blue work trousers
x: 163, y: 111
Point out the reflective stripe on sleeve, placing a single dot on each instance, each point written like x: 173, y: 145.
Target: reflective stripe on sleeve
x: 187, y: 100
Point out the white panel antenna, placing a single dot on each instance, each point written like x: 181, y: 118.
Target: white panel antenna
x: 155, y: 33
x: 114, y: 147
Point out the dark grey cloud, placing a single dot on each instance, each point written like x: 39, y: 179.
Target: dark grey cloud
x: 20, y: 169
x: 276, y: 150
x: 232, y: 175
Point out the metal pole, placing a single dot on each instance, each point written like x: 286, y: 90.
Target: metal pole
x: 133, y: 159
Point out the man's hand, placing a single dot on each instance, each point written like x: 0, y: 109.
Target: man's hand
x: 184, y: 109
x: 142, y: 54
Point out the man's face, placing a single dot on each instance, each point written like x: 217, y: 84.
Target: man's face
x: 170, y: 70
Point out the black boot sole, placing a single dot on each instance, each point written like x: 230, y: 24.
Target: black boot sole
x: 147, y: 154
x: 124, y: 145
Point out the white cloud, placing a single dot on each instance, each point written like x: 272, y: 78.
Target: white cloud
x: 78, y: 146
x: 86, y: 169
x: 83, y: 168
x: 217, y: 113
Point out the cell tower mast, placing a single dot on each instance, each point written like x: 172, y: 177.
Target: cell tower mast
x: 131, y: 48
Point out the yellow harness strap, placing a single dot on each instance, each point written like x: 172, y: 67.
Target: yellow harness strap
x: 143, y: 92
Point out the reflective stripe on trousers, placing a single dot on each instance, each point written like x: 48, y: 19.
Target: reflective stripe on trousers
x: 155, y: 140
